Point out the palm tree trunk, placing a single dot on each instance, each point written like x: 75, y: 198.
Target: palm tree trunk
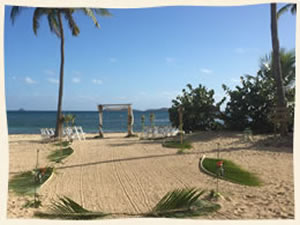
x: 59, y: 117
x: 281, y: 102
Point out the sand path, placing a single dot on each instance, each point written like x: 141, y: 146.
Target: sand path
x: 118, y: 174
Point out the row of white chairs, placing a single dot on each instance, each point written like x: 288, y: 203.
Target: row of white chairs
x: 70, y: 133
x: 159, y: 132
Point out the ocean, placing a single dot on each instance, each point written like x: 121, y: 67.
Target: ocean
x: 30, y: 122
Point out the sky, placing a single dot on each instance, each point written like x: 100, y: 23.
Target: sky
x: 141, y: 56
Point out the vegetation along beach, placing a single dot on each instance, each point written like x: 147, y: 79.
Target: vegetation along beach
x: 112, y: 121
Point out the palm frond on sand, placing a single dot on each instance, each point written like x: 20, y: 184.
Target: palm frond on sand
x: 66, y: 208
x: 182, y: 203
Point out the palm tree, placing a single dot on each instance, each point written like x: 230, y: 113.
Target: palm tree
x: 285, y: 8
x: 281, y: 101
x: 54, y: 16
x: 287, y: 62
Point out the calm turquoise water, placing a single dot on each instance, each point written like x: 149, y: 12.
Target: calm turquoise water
x: 30, y: 122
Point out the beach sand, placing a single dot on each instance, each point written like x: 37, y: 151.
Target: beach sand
x: 128, y: 175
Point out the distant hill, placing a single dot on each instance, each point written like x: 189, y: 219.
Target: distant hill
x: 160, y: 110
x: 164, y: 109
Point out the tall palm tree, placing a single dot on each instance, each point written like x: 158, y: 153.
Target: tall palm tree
x: 54, y: 16
x: 281, y: 101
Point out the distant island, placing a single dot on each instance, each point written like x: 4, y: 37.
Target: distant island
x: 164, y: 109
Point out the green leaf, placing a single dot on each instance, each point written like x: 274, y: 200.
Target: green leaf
x: 181, y: 203
x: 66, y: 208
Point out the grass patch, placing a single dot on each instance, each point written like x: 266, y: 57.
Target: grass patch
x: 58, y: 155
x: 177, y: 144
x: 66, y: 208
x: 26, y: 183
x: 64, y: 144
x: 182, y: 203
x: 180, y: 151
x: 232, y: 172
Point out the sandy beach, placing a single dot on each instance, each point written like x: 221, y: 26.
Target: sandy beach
x: 128, y: 175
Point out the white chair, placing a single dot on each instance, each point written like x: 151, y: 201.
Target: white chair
x: 79, y: 130
x: 174, y: 131
x: 146, y: 132
x: 166, y: 131
x: 51, y: 132
x: 69, y: 133
x: 44, y: 134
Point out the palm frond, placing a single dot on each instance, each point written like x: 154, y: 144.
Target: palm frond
x: 66, y: 208
x: 102, y: 12
x: 89, y: 12
x: 72, y: 24
x: 53, y: 23
x: 178, y: 199
x: 15, y: 11
x: 182, y: 203
x: 67, y: 205
x: 285, y: 8
x: 294, y: 9
x: 38, y: 13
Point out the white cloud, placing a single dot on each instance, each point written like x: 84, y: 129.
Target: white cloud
x: 50, y: 72
x: 28, y: 80
x: 76, y: 80
x: 240, y: 50
x: 95, y: 81
x: 122, y: 98
x: 246, y: 50
x: 52, y: 80
x: 112, y: 60
x: 169, y: 59
x: 207, y: 71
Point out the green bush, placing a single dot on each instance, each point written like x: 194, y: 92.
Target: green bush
x: 252, y: 104
x: 200, y: 110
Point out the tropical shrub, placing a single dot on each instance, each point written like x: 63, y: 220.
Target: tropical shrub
x: 200, y: 110
x: 252, y: 104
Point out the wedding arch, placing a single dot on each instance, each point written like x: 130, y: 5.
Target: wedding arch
x: 130, y: 120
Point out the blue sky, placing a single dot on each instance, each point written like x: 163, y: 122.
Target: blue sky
x: 142, y: 56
